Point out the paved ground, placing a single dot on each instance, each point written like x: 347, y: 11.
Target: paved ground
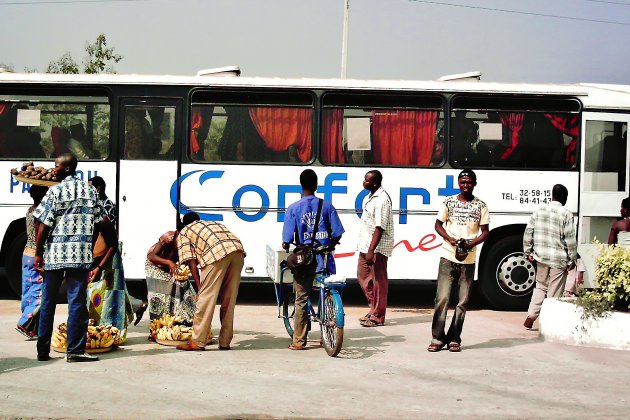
x: 503, y: 371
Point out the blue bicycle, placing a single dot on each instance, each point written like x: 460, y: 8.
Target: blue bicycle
x: 329, y: 309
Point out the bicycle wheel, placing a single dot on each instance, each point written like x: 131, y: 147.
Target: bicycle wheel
x: 331, y: 332
x: 288, y: 308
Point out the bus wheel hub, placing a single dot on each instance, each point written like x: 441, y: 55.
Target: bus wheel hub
x: 516, y: 275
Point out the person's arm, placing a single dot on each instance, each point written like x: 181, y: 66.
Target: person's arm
x: 528, y: 239
x: 485, y: 231
x: 40, y: 238
x: 194, y: 270
x: 106, y: 228
x: 614, y: 230
x: 157, y: 260
x: 571, y: 241
x: 376, y: 239
x: 381, y: 218
x: 288, y: 229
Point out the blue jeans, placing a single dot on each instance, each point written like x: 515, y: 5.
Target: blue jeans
x: 76, y: 284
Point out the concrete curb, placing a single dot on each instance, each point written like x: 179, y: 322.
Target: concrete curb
x: 560, y: 322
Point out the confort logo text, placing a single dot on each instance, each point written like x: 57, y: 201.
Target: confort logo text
x: 334, y: 184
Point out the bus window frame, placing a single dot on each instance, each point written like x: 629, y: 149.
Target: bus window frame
x: 514, y: 97
x: 256, y: 93
x: 43, y: 90
x: 375, y: 95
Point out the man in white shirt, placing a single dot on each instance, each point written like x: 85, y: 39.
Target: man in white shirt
x: 459, y: 221
x: 376, y: 241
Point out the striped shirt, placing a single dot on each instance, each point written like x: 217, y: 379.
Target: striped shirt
x: 207, y: 242
x: 377, y: 212
x: 550, y: 236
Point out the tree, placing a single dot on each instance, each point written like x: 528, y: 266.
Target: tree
x: 7, y: 67
x: 99, y: 59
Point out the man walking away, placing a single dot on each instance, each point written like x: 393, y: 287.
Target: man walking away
x: 459, y: 221
x: 71, y: 217
x: 219, y: 254
x: 550, y: 240
x: 299, y: 227
x: 376, y: 242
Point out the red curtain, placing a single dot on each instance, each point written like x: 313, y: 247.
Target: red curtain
x: 4, y: 107
x: 569, y: 125
x: 514, y: 123
x: 281, y: 128
x: 196, y: 123
x: 403, y: 137
x: 332, y: 136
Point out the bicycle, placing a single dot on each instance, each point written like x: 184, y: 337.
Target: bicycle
x: 329, y: 313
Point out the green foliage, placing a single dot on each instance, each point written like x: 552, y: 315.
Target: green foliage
x: 99, y: 59
x: 5, y: 66
x: 594, y: 306
x: 65, y: 64
x: 613, y: 276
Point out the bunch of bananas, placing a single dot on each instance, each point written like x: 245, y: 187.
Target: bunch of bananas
x: 170, y: 328
x: 176, y: 333
x: 97, y: 336
x: 182, y: 273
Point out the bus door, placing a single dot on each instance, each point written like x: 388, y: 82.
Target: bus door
x: 148, y: 168
x: 604, y: 181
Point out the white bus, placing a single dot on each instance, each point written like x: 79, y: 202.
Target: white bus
x: 232, y: 150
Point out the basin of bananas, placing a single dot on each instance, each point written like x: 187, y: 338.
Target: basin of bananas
x: 182, y: 273
x: 100, y: 338
x: 170, y: 330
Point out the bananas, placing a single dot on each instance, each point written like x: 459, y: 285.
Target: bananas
x: 182, y: 273
x: 170, y: 328
x: 98, y: 337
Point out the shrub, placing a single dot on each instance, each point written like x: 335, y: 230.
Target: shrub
x: 613, y: 276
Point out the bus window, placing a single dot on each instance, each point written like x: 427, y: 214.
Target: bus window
x: 605, y: 156
x: 149, y: 133
x: 514, y: 133
x: 225, y: 133
x: 42, y: 127
x: 382, y: 130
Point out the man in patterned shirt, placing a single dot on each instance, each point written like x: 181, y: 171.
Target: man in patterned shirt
x: 459, y: 221
x: 70, y: 217
x: 219, y: 254
x: 550, y: 240
x: 375, y: 245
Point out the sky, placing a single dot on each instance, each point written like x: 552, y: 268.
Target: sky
x: 387, y: 39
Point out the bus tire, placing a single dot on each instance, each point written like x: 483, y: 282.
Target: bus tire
x: 13, y: 263
x: 507, y: 278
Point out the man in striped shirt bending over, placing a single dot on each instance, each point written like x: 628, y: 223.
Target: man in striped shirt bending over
x: 550, y: 240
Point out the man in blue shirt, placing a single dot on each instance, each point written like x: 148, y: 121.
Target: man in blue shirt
x: 299, y: 224
x: 71, y: 217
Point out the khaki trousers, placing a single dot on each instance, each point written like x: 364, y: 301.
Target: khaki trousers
x: 549, y: 283
x: 223, y: 276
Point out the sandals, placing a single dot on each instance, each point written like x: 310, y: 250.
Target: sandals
x: 434, y: 347
x: 454, y: 347
x: 294, y: 347
x: 371, y: 323
x: 365, y: 317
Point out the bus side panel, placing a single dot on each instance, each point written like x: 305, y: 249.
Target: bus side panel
x: 246, y: 199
